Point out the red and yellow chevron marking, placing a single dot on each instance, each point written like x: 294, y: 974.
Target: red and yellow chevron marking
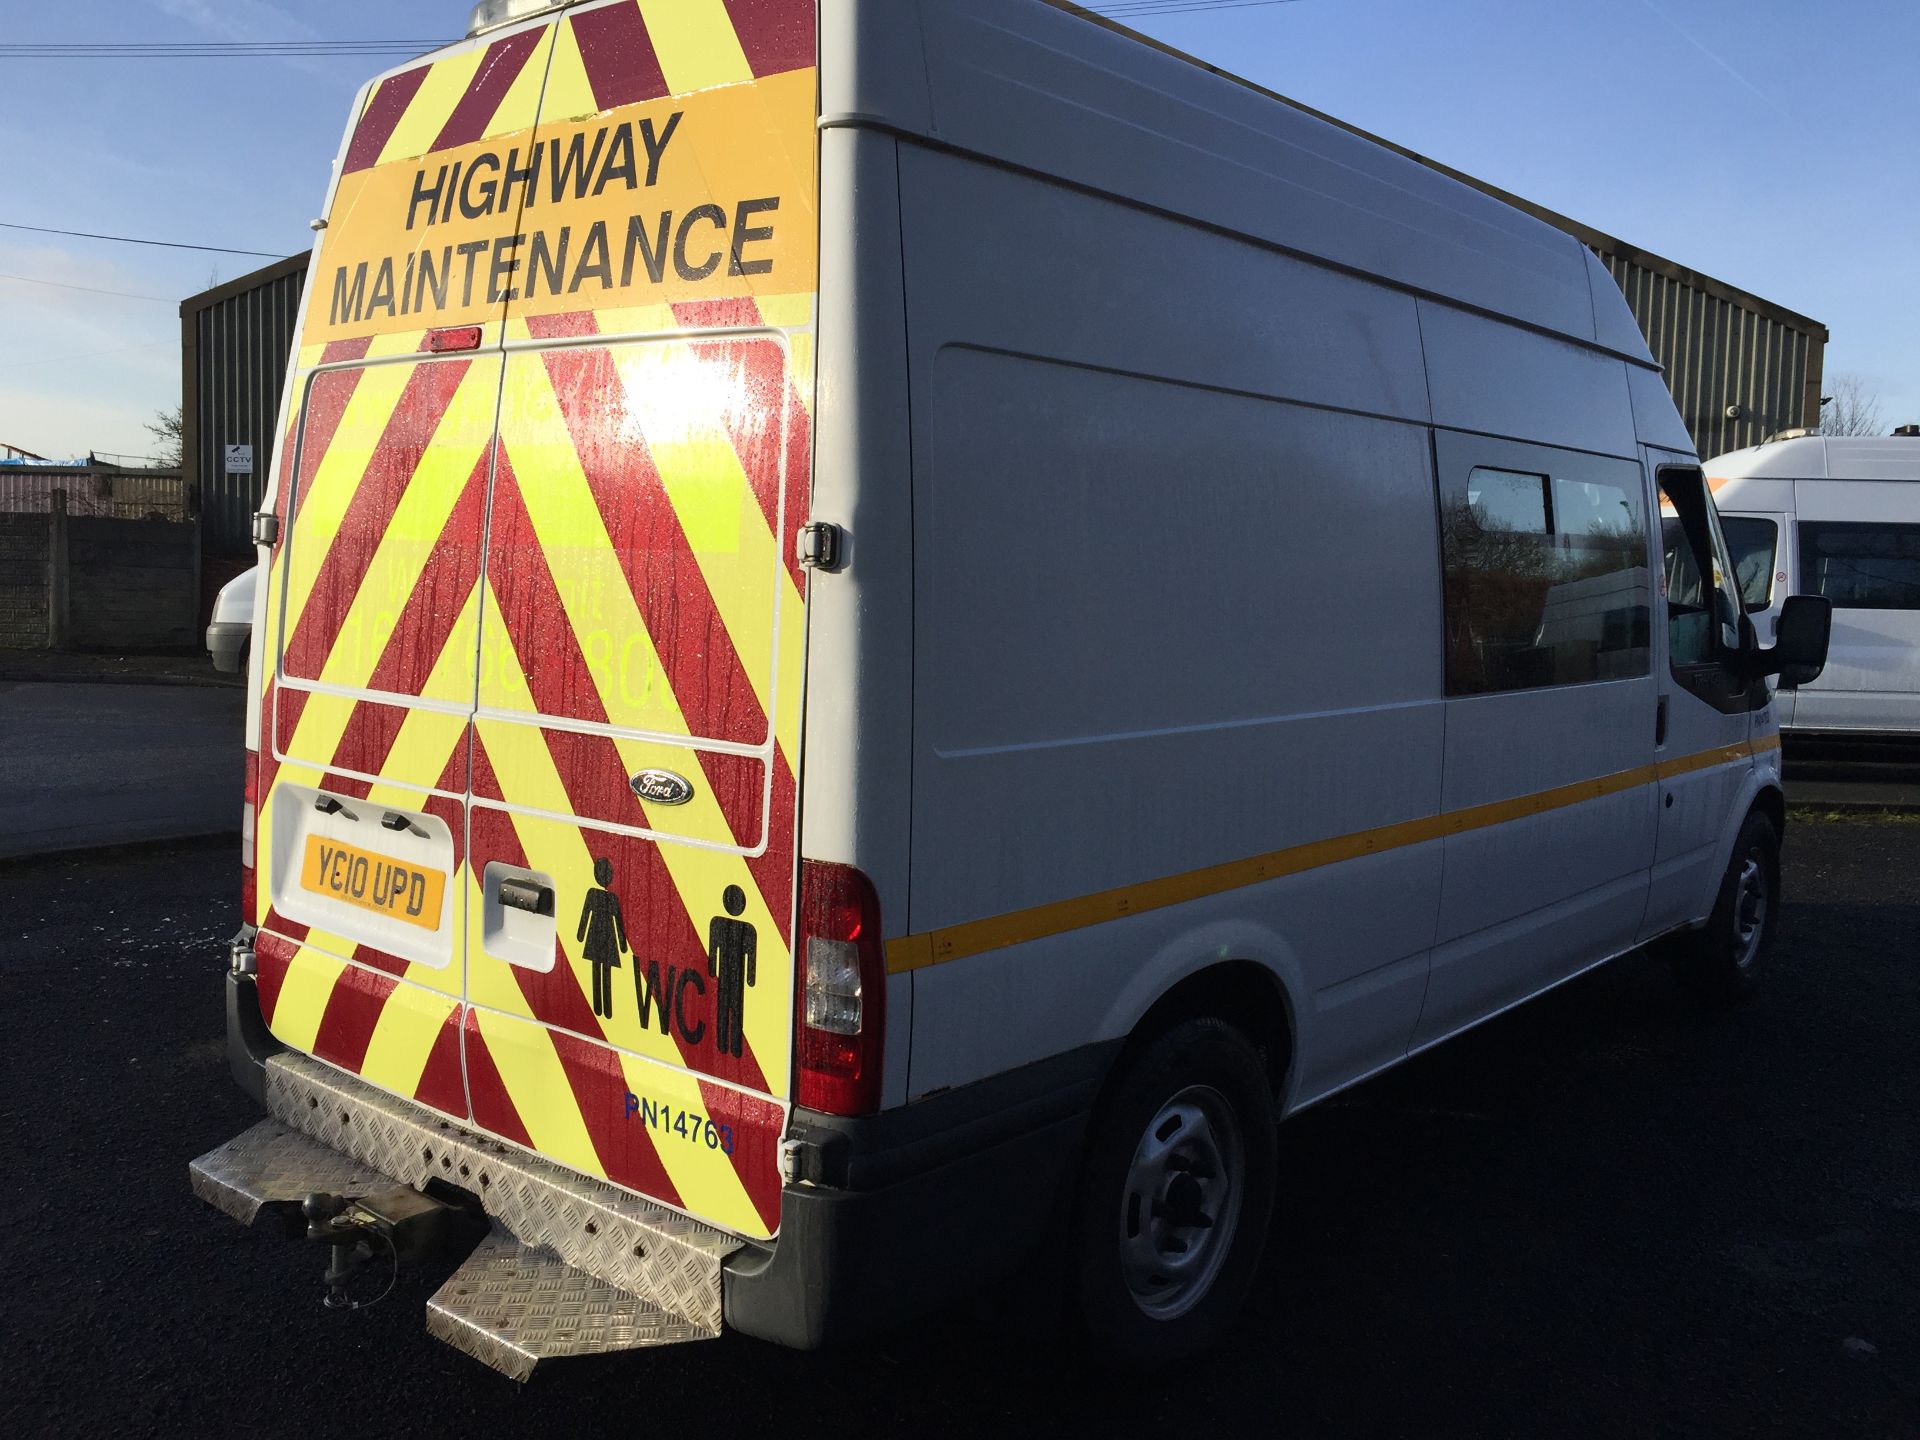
x: 512, y: 580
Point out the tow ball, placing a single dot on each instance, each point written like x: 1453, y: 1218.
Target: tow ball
x: 398, y: 1226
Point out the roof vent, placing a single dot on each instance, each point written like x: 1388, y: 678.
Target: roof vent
x: 1912, y: 432
x: 1800, y: 433
x: 492, y: 14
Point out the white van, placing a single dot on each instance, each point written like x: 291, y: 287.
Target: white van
x: 888, y: 631
x: 1837, y: 517
x: 230, y: 628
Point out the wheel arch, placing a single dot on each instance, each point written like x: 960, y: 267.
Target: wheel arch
x: 1245, y: 994
x: 1771, y: 802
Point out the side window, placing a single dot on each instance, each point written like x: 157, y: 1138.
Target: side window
x: 1751, y: 545
x: 1545, y: 570
x: 1702, y: 609
x: 1861, y: 567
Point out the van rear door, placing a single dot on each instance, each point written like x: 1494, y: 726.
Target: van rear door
x: 373, y: 603
x: 642, y: 618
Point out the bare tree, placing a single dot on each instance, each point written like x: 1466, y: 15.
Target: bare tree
x: 1852, y: 409
x: 165, y: 427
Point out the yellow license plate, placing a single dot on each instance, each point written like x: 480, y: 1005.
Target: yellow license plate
x: 373, y: 882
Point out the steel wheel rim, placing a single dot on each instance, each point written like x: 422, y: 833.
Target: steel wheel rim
x: 1749, y: 911
x: 1180, y: 1209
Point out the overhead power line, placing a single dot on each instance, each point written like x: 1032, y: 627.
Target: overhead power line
x: 86, y: 289
x: 209, y: 49
x: 130, y: 240
x: 1131, y: 9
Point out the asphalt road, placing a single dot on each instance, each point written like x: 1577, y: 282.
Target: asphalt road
x: 1605, y: 1214
x: 1862, y: 775
x: 85, y: 765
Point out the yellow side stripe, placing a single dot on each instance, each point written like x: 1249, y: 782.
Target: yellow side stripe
x: 936, y: 947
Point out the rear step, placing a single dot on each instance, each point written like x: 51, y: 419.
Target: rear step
x: 572, y: 1265
x: 512, y: 1306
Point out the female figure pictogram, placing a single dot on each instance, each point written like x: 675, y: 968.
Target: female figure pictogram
x: 604, y: 929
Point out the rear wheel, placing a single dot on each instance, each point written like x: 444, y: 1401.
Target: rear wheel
x: 1175, y: 1196
x: 1723, y: 959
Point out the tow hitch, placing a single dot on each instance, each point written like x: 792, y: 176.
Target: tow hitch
x: 398, y: 1225
x: 558, y: 1264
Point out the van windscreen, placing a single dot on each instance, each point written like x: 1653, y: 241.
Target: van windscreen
x: 1751, y: 543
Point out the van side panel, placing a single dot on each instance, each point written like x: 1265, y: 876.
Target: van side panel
x: 1040, y: 88
x: 1500, y: 380
x: 1176, y: 604
x: 859, y: 721
x: 1842, y: 528
x: 1529, y: 900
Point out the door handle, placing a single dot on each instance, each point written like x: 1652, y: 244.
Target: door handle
x: 528, y: 895
x: 1660, y: 723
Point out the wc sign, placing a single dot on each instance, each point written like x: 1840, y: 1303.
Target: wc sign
x: 239, y: 459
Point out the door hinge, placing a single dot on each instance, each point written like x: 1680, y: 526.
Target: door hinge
x: 821, y: 546
x: 266, y: 529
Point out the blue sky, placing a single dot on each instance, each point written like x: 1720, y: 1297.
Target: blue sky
x: 1771, y: 143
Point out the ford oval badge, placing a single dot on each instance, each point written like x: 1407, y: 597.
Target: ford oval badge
x: 662, y: 787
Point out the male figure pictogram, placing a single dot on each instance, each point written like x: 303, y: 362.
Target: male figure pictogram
x: 732, y: 949
x: 604, y: 929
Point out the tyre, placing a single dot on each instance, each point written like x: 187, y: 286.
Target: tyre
x: 1175, y: 1194
x: 1723, y: 959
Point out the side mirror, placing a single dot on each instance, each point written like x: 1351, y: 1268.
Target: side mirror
x: 1800, y: 640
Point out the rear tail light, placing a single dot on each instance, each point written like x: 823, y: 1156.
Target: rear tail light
x: 249, y: 890
x: 841, y: 1024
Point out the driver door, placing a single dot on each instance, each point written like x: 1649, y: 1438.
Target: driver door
x: 1703, y: 730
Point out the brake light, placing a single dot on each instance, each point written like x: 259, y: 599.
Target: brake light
x: 841, y: 1023
x: 249, y: 890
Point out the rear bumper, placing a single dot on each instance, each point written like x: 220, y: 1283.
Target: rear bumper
x: 895, y: 1215
x: 916, y: 1208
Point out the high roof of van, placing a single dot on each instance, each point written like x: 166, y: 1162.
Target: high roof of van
x: 1824, y: 457
x: 1064, y: 92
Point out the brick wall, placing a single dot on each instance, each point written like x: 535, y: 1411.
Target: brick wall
x: 23, y: 582
x: 130, y: 585
x: 135, y: 585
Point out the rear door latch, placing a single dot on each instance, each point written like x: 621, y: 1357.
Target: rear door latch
x: 821, y: 546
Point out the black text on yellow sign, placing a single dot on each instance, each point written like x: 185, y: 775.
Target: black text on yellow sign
x: 701, y: 197
x: 373, y: 882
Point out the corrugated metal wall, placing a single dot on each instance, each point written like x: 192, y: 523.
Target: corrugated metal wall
x: 1721, y: 355
x: 99, y: 492
x: 236, y: 342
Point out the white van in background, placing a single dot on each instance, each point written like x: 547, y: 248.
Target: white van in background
x: 230, y: 629
x: 1837, y: 517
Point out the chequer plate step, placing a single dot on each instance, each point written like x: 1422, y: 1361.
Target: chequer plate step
x: 330, y: 1131
x: 269, y: 1164
x: 513, y: 1306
